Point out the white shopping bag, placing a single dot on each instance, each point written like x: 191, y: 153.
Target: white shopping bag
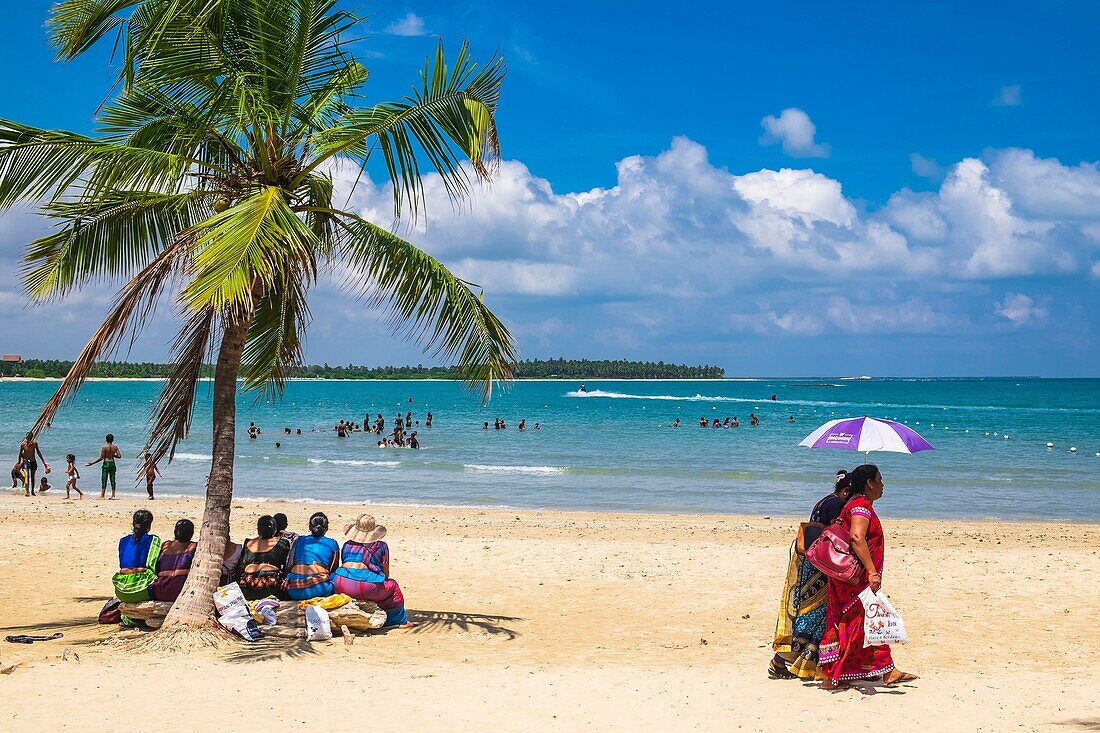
x: 881, y: 623
x: 229, y: 597
x: 238, y: 619
x: 317, y: 624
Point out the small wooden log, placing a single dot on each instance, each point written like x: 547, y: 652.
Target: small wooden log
x: 146, y: 610
x: 355, y: 617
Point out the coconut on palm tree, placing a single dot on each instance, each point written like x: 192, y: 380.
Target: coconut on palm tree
x: 209, y: 184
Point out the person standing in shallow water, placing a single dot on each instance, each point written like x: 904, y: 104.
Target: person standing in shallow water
x: 107, y: 455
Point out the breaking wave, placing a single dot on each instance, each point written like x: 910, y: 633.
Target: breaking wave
x: 533, y: 470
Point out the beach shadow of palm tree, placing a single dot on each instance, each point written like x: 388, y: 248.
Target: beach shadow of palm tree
x: 461, y: 621
x: 270, y: 649
x: 1081, y: 723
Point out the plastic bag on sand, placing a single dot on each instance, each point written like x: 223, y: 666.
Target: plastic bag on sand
x: 881, y: 623
x: 239, y: 621
x: 265, y: 608
x: 317, y: 624
x: 229, y: 597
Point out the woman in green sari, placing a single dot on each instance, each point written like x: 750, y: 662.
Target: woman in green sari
x: 137, y: 560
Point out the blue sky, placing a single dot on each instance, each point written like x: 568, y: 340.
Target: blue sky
x: 789, y: 188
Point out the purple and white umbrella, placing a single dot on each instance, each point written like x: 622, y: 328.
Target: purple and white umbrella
x: 866, y: 434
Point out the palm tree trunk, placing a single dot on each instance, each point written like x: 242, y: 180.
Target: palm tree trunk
x: 195, y: 605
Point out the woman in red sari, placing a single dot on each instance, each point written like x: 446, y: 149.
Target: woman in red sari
x: 842, y: 655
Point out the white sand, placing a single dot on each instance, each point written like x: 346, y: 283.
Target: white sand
x: 568, y: 621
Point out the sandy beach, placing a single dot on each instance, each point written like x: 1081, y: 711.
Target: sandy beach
x: 567, y: 620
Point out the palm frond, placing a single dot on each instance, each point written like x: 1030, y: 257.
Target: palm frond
x: 452, y: 113
x: 132, y: 308
x: 106, y: 237
x: 42, y: 164
x: 187, y: 119
x: 172, y: 415
x: 74, y: 26
x: 428, y: 303
x: 241, y: 251
x: 274, y: 345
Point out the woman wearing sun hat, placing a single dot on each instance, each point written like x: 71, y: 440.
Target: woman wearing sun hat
x: 364, y: 571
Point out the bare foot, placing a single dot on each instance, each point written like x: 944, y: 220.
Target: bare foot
x: 896, y: 677
x: 408, y: 625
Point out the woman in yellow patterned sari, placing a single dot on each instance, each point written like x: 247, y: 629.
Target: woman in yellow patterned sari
x: 801, y: 621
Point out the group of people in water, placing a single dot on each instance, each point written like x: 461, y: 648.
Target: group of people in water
x: 402, y: 436
x: 26, y: 467
x: 499, y: 424
x: 277, y: 562
x: 819, y: 630
x: 733, y: 422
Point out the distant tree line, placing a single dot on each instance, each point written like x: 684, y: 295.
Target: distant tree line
x: 528, y: 369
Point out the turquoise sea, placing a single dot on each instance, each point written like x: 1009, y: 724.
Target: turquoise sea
x: 613, y: 449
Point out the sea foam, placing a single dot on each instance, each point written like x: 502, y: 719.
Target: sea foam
x: 534, y: 470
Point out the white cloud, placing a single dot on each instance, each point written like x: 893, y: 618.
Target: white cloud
x: 682, y: 251
x: 1044, y: 188
x: 1009, y: 96
x: 926, y: 167
x: 794, y: 129
x: 798, y: 194
x: 983, y: 221
x: 1019, y: 309
x: 411, y: 25
x: 675, y: 225
x: 798, y: 323
x: 917, y: 215
x: 878, y: 314
x: 517, y: 277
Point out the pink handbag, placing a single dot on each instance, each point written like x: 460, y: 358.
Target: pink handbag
x: 831, y: 553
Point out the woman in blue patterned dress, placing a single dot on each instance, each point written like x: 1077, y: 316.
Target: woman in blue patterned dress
x: 801, y: 621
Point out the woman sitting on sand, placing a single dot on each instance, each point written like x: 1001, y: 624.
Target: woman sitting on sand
x: 262, y: 561
x: 312, y: 561
x: 231, y: 560
x: 137, y: 560
x: 843, y: 656
x: 364, y: 571
x: 174, y: 562
x: 801, y: 620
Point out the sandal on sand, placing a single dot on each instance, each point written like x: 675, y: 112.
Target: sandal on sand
x: 778, y: 671
x: 28, y: 639
x: 902, y: 677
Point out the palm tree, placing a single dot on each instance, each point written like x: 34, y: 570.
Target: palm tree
x: 210, y: 182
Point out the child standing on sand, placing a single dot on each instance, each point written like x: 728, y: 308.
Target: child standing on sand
x: 73, y: 474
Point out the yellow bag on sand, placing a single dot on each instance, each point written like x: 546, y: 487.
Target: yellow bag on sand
x: 327, y: 602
